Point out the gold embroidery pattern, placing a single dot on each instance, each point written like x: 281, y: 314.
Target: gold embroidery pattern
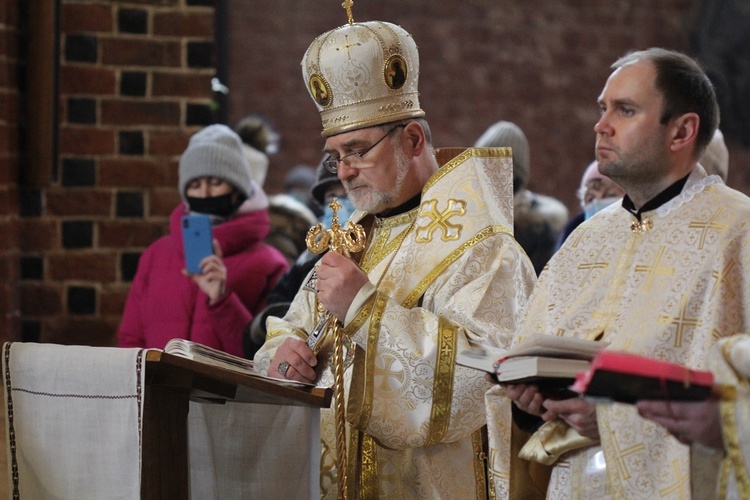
x: 450, y: 232
x: 485, y: 233
x: 654, y: 269
x: 442, y: 387
x: 480, y: 465
x: 375, y: 256
x: 589, y: 267
x: 722, y: 277
x: 681, y: 484
x: 462, y: 157
x: 709, y: 224
x: 731, y: 440
x: 682, y: 321
x: 279, y: 331
x: 370, y: 355
x: 369, y: 486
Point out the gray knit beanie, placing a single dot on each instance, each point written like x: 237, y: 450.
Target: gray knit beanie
x: 215, y: 151
x: 508, y: 134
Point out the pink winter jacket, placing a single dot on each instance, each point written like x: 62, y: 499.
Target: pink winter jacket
x: 163, y: 304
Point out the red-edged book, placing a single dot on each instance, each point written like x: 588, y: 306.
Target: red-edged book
x: 627, y: 378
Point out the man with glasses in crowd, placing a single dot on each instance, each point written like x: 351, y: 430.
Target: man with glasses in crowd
x: 440, y: 272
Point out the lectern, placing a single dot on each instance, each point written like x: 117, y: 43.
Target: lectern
x: 98, y: 422
x: 173, y: 382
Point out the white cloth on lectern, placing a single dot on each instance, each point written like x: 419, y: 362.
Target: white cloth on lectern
x: 244, y: 450
x: 73, y: 420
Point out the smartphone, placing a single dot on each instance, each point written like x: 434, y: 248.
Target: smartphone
x: 197, y: 240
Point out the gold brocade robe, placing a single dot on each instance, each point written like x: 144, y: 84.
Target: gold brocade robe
x: 668, y: 291
x: 727, y: 475
x: 443, y: 276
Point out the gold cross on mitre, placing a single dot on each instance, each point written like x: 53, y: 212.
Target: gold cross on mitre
x: 348, y: 6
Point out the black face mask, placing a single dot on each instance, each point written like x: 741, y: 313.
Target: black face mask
x: 221, y: 206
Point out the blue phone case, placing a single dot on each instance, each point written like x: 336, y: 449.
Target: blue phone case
x: 197, y: 239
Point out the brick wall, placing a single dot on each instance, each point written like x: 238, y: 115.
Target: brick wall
x: 539, y: 64
x: 9, y: 161
x: 134, y: 84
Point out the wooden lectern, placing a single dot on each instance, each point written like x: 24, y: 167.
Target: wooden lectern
x: 172, y: 382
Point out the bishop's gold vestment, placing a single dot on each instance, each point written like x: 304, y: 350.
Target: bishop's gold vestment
x: 668, y: 288
x: 443, y: 276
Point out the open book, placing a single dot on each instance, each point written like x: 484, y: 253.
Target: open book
x: 538, y: 358
x: 627, y: 378
x: 209, y: 355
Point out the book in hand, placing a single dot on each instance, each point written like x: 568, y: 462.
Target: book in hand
x: 540, y: 370
x: 209, y: 355
x: 549, y: 360
x: 627, y: 378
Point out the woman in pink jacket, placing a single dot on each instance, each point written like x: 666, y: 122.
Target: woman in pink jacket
x: 212, y: 308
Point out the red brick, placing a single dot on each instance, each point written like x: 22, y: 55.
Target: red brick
x: 129, y: 235
x: 9, y: 107
x: 8, y: 73
x: 8, y: 137
x: 40, y: 299
x: 86, y: 141
x: 116, y: 112
x: 9, y: 41
x: 193, y: 24
x: 9, y: 230
x: 135, y: 173
x: 132, y: 51
x: 9, y: 268
x: 96, y: 332
x: 99, y: 267
x: 37, y: 235
x: 168, y: 143
x: 9, y: 167
x: 87, y: 80
x: 112, y: 300
x: 10, y: 330
x: 86, y: 17
x: 163, y: 201
x: 182, y: 84
x: 9, y: 13
x: 8, y: 200
x: 79, y: 202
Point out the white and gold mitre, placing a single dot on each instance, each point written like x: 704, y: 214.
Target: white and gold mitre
x: 363, y: 74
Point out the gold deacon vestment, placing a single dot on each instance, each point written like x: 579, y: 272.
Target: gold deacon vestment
x: 716, y: 474
x: 443, y: 276
x: 668, y: 288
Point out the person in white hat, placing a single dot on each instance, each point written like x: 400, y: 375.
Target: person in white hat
x: 441, y: 272
x: 213, y: 307
x: 537, y: 219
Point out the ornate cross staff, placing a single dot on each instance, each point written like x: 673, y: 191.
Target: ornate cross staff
x: 343, y: 241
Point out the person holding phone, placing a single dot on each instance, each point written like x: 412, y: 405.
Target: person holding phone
x: 213, y: 306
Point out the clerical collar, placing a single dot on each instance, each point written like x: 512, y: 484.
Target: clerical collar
x: 657, y: 201
x: 403, y: 208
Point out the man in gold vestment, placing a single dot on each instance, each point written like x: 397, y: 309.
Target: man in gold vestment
x: 660, y: 274
x: 440, y: 272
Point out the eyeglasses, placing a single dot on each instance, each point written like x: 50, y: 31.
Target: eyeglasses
x: 332, y: 164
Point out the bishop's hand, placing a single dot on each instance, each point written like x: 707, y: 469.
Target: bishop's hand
x: 339, y: 281
x: 299, y: 360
